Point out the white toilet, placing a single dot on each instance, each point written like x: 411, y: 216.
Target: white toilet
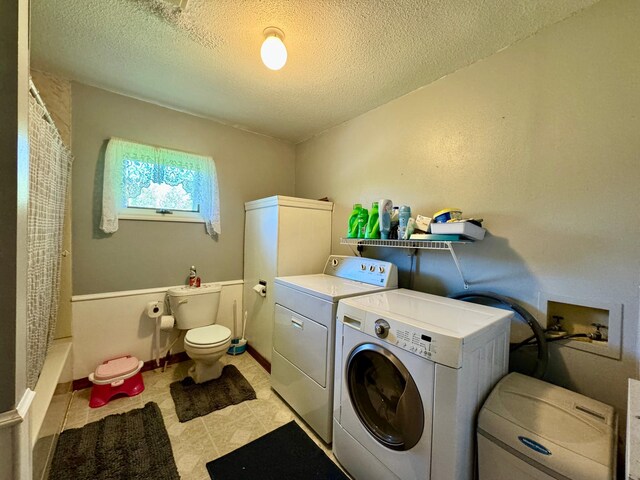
x: 195, y: 310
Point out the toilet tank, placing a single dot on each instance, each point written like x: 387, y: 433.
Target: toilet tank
x: 195, y: 307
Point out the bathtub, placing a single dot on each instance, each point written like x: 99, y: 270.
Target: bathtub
x: 49, y: 407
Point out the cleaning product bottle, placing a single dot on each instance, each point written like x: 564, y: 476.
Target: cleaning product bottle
x: 363, y: 218
x: 403, y: 217
x: 384, y: 208
x: 373, y: 225
x: 192, y: 276
x: 395, y: 212
x: 352, y: 231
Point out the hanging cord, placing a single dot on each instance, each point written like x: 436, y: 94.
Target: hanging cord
x: 412, y: 255
x: 538, y: 332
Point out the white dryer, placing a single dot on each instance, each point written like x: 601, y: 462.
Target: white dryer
x: 304, y: 331
x: 412, y: 371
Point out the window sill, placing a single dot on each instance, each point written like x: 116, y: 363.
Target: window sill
x: 161, y: 218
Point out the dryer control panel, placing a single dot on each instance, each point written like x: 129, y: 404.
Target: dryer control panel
x: 365, y: 270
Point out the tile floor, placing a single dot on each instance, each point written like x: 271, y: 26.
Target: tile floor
x: 202, y: 439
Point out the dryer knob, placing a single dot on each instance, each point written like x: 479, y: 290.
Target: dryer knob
x: 382, y: 328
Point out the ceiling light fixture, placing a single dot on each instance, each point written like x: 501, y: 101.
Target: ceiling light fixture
x: 273, y: 51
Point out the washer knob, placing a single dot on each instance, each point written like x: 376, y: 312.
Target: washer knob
x: 382, y: 328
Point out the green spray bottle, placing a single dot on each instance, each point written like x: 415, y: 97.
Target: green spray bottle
x: 373, y: 225
x: 363, y: 218
x: 352, y: 231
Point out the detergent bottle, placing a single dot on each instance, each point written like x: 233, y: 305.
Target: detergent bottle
x: 373, y: 225
x: 363, y: 218
x: 384, y: 208
x: 352, y: 231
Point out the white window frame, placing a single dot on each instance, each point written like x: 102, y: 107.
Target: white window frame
x: 149, y: 214
x: 109, y: 224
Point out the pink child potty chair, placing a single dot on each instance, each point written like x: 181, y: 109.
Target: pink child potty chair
x: 114, y: 377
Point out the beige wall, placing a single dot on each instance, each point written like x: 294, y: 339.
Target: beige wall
x: 542, y: 141
x: 145, y: 254
x: 56, y: 94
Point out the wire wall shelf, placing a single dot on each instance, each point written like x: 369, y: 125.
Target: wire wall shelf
x: 360, y: 243
x: 417, y: 244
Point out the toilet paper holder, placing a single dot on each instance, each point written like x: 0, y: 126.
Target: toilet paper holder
x: 261, y: 288
x: 155, y: 309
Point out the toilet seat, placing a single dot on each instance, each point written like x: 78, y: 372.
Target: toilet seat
x: 207, y: 337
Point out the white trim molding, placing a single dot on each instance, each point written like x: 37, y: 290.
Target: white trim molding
x: 129, y: 293
x: 18, y: 414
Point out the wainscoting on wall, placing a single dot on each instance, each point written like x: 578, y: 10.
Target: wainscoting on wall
x: 110, y: 325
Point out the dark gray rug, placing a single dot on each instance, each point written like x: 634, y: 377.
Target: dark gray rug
x: 198, y: 399
x: 285, y: 453
x: 129, y: 446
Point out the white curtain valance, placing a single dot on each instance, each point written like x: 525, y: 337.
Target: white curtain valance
x: 200, y: 179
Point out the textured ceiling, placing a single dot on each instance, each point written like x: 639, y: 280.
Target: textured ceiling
x: 345, y: 56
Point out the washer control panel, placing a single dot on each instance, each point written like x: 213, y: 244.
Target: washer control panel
x: 427, y: 344
x: 360, y: 269
x: 415, y: 342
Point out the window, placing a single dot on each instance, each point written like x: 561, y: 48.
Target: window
x: 143, y: 182
x: 156, y: 187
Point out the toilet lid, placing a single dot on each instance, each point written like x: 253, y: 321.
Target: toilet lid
x: 207, y: 336
x: 116, y: 367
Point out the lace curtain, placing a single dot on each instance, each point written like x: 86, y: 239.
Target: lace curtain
x: 49, y: 174
x: 130, y: 167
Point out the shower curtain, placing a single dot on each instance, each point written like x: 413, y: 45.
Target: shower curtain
x: 49, y: 172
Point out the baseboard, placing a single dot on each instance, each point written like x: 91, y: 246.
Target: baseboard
x: 83, y: 383
x: 264, y: 363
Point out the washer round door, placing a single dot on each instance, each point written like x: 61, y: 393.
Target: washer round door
x: 385, y: 396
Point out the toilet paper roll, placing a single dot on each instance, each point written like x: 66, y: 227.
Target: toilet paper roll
x: 260, y: 289
x: 155, y: 309
x: 166, y: 322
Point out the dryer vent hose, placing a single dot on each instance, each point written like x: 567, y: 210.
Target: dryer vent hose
x: 538, y: 332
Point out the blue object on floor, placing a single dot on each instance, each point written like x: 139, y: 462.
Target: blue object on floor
x: 237, y: 347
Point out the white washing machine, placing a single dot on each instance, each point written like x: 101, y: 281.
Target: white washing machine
x: 412, y: 371
x: 304, y: 330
